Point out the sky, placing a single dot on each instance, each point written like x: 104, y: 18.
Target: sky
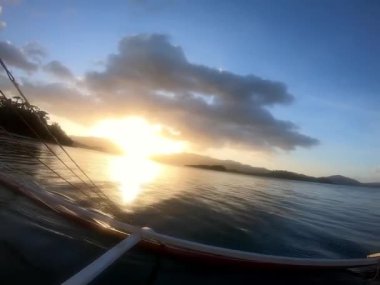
x: 279, y: 84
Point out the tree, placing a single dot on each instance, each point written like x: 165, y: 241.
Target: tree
x: 18, y: 117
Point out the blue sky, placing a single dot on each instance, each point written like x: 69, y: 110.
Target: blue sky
x: 325, y: 52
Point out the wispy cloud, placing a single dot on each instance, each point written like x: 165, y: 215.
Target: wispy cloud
x: 59, y: 70
x: 15, y: 56
x: 35, y: 51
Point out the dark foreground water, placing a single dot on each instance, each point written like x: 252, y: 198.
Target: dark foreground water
x: 263, y: 215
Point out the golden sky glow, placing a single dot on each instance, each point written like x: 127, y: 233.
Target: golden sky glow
x: 137, y: 137
x: 139, y: 140
x: 244, y: 100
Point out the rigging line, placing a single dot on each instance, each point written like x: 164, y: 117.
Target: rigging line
x: 11, y: 78
x: 51, y: 169
x: 15, y: 170
x: 99, y: 192
x: 45, y: 164
x: 46, y: 145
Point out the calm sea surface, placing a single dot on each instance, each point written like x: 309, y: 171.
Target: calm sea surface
x: 244, y: 212
x: 263, y: 215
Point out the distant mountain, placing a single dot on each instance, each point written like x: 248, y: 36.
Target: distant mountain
x: 95, y: 143
x: 196, y: 159
x: 283, y: 174
x: 205, y: 162
x: 372, y: 184
x: 209, y: 167
x: 339, y: 179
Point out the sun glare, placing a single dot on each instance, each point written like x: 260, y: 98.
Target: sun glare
x: 137, y: 137
x: 132, y: 174
x: 139, y: 140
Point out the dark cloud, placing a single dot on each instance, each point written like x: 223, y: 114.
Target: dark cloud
x: 14, y: 56
x: 35, y: 51
x: 59, y: 70
x: 65, y: 101
x: 152, y: 77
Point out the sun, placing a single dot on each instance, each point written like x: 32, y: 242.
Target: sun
x: 137, y: 137
x: 139, y: 140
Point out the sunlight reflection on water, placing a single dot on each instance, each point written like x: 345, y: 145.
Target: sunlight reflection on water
x: 259, y: 214
x: 131, y: 174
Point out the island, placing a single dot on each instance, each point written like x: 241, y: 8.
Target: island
x: 20, y: 118
x: 209, y: 167
x: 282, y: 174
x: 230, y: 166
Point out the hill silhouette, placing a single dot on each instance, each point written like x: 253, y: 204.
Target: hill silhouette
x: 30, y: 121
x: 98, y: 144
x: 209, y: 163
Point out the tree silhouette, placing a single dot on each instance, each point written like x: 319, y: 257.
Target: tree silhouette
x: 18, y: 117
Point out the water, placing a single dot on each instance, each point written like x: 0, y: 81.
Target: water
x: 271, y: 216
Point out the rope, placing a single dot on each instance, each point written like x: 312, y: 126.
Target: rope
x: 44, y: 164
x: 12, y: 79
x: 2, y: 94
x: 376, y: 273
x: 46, y: 145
